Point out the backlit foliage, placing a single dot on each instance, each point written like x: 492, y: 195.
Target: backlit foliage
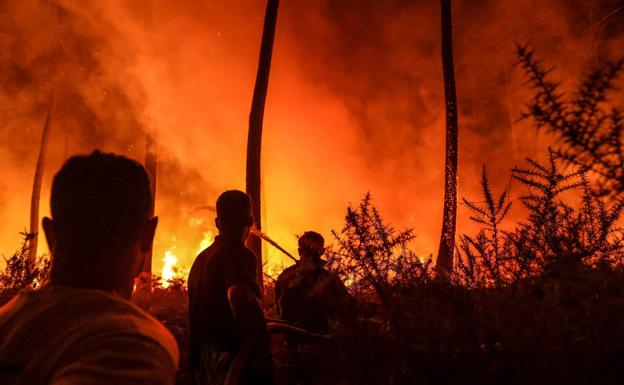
x: 19, y: 274
x: 590, y: 128
x: 373, y: 257
x: 560, y: 234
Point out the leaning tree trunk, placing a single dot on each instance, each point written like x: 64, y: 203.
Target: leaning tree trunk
x: 256, y: 116
x: 151, y: 164
x: 444, y: 262
x: 33, y: 234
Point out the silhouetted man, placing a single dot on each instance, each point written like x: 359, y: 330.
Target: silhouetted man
x: 80, y: 328
x: 309, y: 295
x: 229, y: 338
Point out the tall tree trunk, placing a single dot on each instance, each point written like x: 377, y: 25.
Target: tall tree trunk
x: 256, y: 116
x: 33, y: 235
x: 264, y: 220
x: 151, y: 164
x: 444, y: 262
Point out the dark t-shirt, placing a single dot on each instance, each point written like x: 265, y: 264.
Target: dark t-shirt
x: 311, y: 297
x: 225, y: 263
x: 65, y: 335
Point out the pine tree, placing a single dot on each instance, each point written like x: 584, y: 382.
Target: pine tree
x: 151, y: 166
x: 444, y: 262
x: 256, y: 117
x: 36, y: 190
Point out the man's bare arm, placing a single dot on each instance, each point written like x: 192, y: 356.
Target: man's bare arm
x: 247, y: 310
x: 256, y: 347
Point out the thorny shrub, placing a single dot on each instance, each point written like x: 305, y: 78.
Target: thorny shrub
x: 21, y: 274
x: 557, y: 235
x: 372, y: 257
x: 590, y: 128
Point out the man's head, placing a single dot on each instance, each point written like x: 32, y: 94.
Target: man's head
x: 234, y: 213
x: 311, y: 246
x: 101, y: 226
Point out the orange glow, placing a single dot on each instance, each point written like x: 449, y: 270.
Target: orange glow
x: 205, y: 242
x: 169, y: 271
x: 354, y: 105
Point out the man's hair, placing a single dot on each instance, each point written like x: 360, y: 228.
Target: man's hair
x: 99, y: 205
x: 312, y: 244
x: 234, y: 210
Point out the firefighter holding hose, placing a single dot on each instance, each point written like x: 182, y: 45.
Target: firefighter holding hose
x: 308, y: 295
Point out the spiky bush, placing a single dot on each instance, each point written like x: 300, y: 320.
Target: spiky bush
x: 589, y: 127
x: 373, y: 257
x: 560, y: 234
x: 485, y: 259
x: 21, y: 274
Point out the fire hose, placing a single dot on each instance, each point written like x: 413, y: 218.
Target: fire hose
x: 266, y: 238
x: 258, y: 234
x: 275, y: 326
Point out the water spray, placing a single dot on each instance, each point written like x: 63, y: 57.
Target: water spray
x: 266, y: 238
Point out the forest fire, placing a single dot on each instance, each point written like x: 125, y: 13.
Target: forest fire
x: 171, y: 267
x: 354, y: 142
x: 448, y: 172
x: 169, y: 271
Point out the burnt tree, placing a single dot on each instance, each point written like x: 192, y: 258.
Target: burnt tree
x: 33, y: 235
x: 256, y: 117
x: 444, y: 262
x: 151, y: 164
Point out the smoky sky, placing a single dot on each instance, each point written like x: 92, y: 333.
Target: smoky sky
x: 382, y: 60
x: 355, y: 100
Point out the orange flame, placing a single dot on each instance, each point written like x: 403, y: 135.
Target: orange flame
x: 169, y: 271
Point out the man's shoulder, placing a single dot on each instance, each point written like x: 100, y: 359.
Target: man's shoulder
x: 247, y: 254
x: 287, y: 275
x: 236, y: 256
x: 199, y: 263
x: 290, y: 270
x: 92, y: 315
x: 226, y: 249
x: 330, y: 278
x: 85, y: 336
x: 207, y: 261
x: 240, y: 249
x: 131, y: 321
x: 327, y: 273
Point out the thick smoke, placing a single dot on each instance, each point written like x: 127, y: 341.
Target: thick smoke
x: 382, y: 60
x: 355, y: 101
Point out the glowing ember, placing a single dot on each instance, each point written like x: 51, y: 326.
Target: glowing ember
x: 37, y: 283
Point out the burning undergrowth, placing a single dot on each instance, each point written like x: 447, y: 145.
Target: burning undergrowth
x: 538, y: 300
x: 22, y: 274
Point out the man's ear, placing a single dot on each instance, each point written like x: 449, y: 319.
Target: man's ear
x: 50, y: 232
x: 217, y: 223
x: 147, y: 238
